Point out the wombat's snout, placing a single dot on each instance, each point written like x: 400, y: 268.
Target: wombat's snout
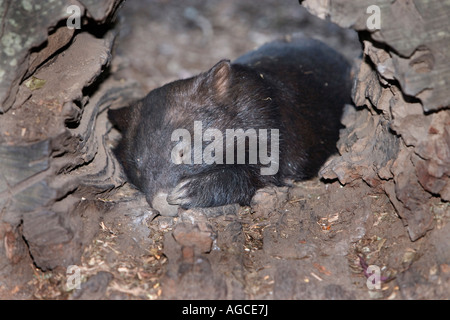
x: 160, y: 203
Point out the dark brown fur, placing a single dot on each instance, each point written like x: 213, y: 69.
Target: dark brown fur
x: 297, y: 87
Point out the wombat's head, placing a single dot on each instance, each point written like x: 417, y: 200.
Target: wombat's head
x: 146, y: 151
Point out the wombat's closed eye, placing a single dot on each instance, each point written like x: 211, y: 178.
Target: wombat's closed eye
x: 270, y: 116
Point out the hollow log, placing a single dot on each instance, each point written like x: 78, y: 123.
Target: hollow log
x: 53, y: 147
x: 398, y: 137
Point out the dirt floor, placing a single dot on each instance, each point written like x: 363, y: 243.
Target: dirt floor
x: 314, y: 240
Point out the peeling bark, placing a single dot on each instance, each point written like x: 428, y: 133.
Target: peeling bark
x: 53, y: 152
x: 398, y: 136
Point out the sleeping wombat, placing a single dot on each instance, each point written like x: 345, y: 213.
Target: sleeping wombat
x: 271, y: 116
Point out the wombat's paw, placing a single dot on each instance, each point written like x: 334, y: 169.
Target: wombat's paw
x: 190, y: 193
x: 180, y: 195
x: 212, y: 189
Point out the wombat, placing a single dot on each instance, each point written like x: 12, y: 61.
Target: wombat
x: 294, y: 90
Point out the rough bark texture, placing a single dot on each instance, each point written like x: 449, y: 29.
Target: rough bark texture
x: 398, y: 137
x: 52, y: 129
x: 313, y: 240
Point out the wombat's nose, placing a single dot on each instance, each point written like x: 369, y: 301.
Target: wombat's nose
x: 160, y: 203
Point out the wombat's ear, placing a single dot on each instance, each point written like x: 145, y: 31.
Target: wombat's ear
x: 120, y: 117
x: 219, y: 78
x: 123, y: 117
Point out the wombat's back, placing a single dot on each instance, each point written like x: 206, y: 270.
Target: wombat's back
x: 312, y: 83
